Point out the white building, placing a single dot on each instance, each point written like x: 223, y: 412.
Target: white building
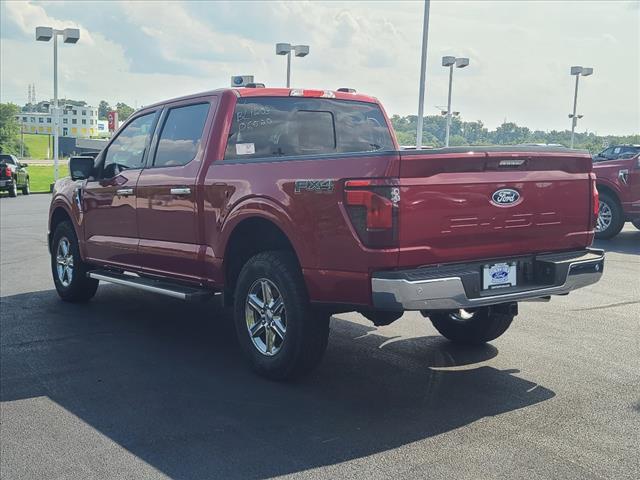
x: 78, y: 122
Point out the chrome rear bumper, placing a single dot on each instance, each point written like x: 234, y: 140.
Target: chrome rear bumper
x: 457, y: 286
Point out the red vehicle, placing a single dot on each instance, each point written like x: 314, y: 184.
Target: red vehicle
x: 618, y: 181
x: 296, y: 204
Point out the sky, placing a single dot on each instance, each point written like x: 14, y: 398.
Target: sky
x: 520, y: 52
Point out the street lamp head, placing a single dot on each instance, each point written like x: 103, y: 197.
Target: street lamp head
x: 301, y: 50
x: 44, y: 34
x: 283, y: 48
x: 462, y: 62
x: 577, y: 70
x: 448, y: 61
x: 71, y: 35
x: 586, y: 71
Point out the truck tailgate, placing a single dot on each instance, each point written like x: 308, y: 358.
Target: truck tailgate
x: 482, y: 205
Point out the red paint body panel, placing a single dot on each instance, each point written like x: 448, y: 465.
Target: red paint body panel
x: 445, y: 212
x: 608, y: 177
x: 110, y: 225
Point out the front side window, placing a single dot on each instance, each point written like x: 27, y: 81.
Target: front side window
x: 181, y: 135
x: 127, y: 150
x: 266, y: 127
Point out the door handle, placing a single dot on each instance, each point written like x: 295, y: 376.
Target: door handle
x: 181, y: 191
x: 124, y: 192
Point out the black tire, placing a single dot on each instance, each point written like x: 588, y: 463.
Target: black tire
x: 13, y: 189
x: 636, y: 223
x: 617, y: 216
x: 78, y: 287
x: 26, y: 190
x: 485, y: 324
x: 306, y: 331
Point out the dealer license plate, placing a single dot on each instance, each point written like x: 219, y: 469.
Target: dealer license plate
x: 499, y: 275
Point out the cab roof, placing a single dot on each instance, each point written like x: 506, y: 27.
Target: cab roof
x: 286, y: 92
x: 269, y: 92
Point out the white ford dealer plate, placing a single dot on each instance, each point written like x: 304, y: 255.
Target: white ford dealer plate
x: 499, y: 275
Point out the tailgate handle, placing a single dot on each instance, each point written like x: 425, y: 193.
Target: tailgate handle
x: 181, y: 191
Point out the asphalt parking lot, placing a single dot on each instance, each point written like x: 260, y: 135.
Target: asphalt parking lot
x: 137, y: 386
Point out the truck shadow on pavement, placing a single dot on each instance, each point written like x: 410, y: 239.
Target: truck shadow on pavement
x: 627, y: 241
x: 165, y: 380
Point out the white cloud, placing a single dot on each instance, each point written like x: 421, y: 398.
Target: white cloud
x: 520, y: 54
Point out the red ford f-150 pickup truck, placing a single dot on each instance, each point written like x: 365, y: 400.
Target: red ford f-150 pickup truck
x: 618, y: 182
x: 296, y: 204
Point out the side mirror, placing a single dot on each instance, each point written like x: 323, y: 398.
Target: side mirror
x: 24, y: 165
x: 81, y: 168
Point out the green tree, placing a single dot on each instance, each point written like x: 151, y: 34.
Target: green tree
x: 9, y: 129
x: 103, y: 110
x: 510, y: 134
x: 124, y: 111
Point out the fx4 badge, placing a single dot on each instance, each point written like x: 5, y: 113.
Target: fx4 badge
x: 317, y: 186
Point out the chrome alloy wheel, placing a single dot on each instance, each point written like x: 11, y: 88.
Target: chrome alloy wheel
x: 605, y: 216
x: 64, y: 262
x: 265, y: 316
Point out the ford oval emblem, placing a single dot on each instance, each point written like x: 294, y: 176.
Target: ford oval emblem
x: 505, y: 197
x: 500, y: 274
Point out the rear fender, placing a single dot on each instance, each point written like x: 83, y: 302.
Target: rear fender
x: 260, y: 207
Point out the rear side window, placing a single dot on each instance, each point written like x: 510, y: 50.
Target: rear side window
x: 181, y: 135
x: 292, y: 126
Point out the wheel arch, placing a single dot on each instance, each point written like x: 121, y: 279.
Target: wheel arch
x: 58, y: 215
x: 604, y: 188
x: 247, y: 235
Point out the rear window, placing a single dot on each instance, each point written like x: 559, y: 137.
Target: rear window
x: 293, y: 126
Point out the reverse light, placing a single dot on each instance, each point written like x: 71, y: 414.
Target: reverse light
x: 372, y: 206
x: 297, y: 92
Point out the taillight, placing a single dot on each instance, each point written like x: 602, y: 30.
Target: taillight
x: 372, y: 205
x: 7, y: 172
x: 595, y: 200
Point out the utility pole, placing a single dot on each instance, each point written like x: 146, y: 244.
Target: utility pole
x: 423, y: 71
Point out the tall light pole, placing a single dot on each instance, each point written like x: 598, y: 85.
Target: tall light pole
x: 69, y: 35
x: 286, y: 49
x: 423, y: 72
x: 451, y: 62
x: 578, y: 72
